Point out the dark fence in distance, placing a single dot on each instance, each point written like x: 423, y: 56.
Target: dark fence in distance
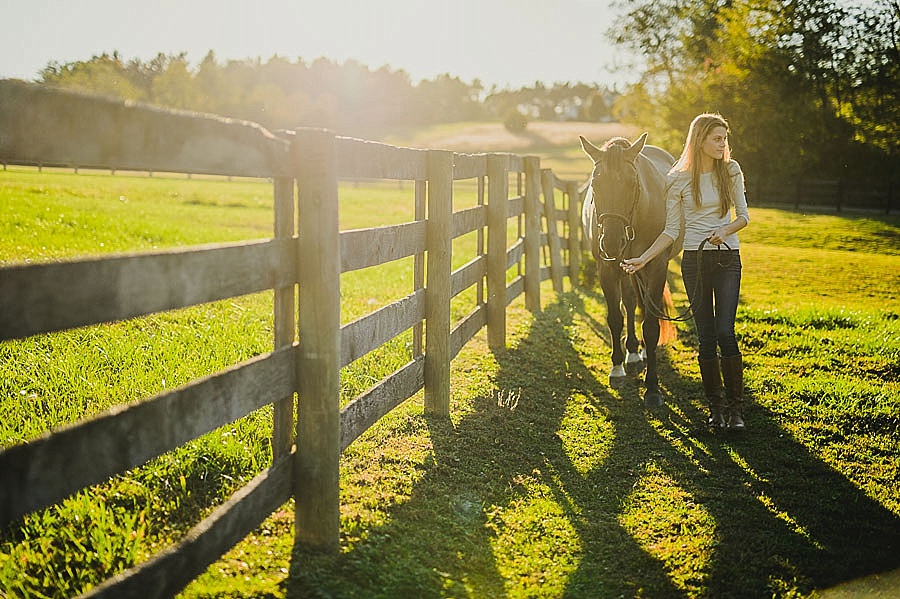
x: 826, y: 194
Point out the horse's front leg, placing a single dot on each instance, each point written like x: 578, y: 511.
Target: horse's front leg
x: 650, y: 330
x: 610, y: 283
x: 653, y: 303
x: 634, y: 361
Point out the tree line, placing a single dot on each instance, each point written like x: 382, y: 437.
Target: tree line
x: 348, y: 97
x: 810, y: 87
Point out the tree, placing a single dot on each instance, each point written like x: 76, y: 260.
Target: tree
x: 104, y: 75
x: 349, y: 97
x: 795, y: 78
x: 173, y: 84
x: 872, y: 102
x: 447, y: 99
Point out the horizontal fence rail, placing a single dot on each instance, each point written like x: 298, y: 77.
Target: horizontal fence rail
x: 51, y: 127
x: 302, y: 264
x: 109, y: 289
x: 364, y: 248
x: 169, y: 571
x: 66, y: 460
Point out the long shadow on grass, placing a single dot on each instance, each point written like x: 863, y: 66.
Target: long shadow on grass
x: 513, y: 502
x: 783, y: 519
x: 552, y: 509
x: 474, y: 523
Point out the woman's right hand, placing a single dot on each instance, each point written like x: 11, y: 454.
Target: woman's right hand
x: 632, y: 265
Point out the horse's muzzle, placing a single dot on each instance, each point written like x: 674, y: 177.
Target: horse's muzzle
x: 620, y: 242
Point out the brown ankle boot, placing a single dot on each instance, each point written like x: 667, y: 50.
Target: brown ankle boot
x: 712, y: 387
x: 733, y: 374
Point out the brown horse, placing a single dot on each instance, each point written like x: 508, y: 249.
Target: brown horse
x: 624, y: 211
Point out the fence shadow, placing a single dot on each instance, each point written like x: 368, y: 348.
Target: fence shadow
x: 780, y: 516
x: 481, y: 466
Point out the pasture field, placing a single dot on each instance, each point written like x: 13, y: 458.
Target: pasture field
x: 555, y: 142
x: 545, y: 482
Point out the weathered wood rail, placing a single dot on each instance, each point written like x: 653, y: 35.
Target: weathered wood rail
x: 307, y: 252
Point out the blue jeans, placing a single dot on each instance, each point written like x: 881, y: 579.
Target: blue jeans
x: 714, y: 302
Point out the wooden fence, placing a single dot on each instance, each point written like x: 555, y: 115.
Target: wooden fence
x: 40, y: 126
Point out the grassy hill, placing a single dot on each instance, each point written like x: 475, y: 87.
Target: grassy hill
x: 555, y: 142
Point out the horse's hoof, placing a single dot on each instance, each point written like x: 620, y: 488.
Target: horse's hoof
x: 653, y: 399
x: 635, y: 368
x: 617, y: 382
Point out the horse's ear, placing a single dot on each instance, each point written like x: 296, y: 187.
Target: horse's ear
x: 632, y: 152
x: 590, y: 149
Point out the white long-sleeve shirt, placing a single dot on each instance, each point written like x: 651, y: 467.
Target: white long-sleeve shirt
x: 700, y: 221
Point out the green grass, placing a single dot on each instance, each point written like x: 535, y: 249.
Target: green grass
x: 544, y: 482
x: 62, y: 214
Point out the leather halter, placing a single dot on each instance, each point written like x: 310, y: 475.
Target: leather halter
x: 627, y: 221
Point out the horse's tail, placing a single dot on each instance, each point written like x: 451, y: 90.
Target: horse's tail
x: 667, y: 331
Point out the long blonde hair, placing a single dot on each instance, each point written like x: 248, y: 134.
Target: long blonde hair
x: 701, y: 127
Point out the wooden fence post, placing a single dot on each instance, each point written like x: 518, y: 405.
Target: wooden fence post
x: 316, y: 485
x: 574, y: 216
x: 438, y: 231
x: 421, y: 188
x: 283, y: 416
x: 498, y: 200
x: 532, y: 233
x: 552, y: 228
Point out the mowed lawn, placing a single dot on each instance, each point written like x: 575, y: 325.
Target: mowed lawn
x: 544, y: 482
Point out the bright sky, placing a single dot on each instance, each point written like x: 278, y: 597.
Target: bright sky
x: 511, y: 43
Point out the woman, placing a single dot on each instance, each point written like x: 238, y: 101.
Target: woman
x: 703, y: 188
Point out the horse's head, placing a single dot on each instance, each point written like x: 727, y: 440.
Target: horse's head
x: 616, y: 191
